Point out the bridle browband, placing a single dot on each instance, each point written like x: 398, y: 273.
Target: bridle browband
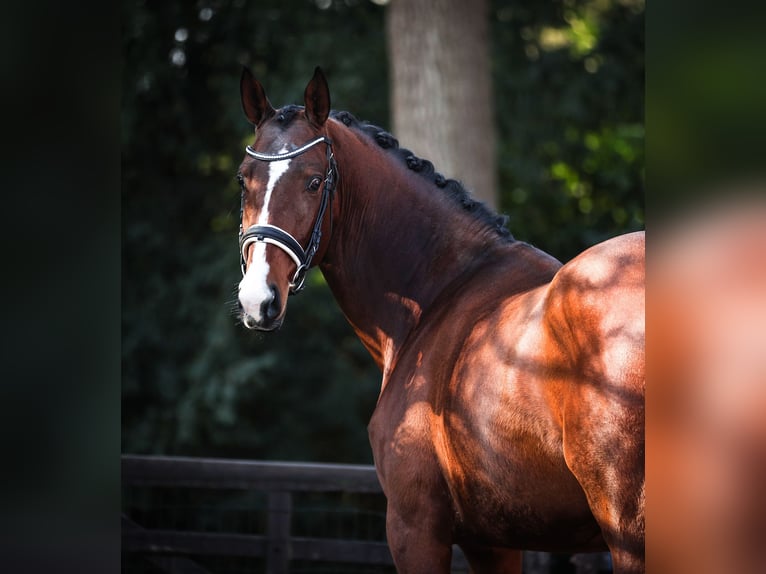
x: 276, y: 236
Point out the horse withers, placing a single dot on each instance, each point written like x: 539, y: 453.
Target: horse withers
x: 511, y: 409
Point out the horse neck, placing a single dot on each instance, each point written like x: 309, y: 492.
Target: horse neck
x: 396, y: 245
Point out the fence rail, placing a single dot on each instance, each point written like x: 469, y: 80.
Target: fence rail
x: 247, y: 474
x: 171, y: 550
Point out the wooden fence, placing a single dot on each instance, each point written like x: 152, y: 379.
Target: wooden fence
x: 175, y: 550
x: 277, y: 548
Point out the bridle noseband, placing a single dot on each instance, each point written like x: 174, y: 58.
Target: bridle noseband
x: 281, y: 238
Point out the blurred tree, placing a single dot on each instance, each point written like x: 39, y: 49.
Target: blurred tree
x: 441, y: 88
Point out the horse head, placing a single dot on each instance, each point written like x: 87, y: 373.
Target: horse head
x: 287, y: 179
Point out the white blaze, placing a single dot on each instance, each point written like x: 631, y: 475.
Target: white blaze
x: 254, y: 288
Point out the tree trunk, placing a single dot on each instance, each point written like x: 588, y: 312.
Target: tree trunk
x: 441, y: 92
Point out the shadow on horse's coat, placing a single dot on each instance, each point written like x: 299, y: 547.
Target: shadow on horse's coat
x: 511, y: 410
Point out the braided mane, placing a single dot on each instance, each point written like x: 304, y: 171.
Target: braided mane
x: 451, y: 187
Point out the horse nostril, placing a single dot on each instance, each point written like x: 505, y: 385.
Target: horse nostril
x: 271, y: 308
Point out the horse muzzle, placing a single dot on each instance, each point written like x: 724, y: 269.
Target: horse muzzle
x: 265, y: 314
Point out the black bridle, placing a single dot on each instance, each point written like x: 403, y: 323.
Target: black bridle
x: 281, y: 238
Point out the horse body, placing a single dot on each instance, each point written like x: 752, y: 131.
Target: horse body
x: 511, y: 407
x: 478, y: 410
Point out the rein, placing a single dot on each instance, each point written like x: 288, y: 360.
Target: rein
x: 274, y: 235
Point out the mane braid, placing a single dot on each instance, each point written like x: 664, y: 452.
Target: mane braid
x: 451, y: 187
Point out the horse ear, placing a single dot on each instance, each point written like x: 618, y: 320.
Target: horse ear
x: 254, y: 101
x: 317, y: 99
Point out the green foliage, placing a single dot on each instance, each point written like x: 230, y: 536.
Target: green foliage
x: 569, y: 101
x: 569, y: 107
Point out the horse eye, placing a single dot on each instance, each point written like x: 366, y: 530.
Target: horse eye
x: 314, y: 184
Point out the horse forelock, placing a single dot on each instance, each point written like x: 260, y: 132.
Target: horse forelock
x: 452, y: 188
x: 284, y: 116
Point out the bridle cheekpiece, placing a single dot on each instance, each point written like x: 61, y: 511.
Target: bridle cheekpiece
x: 274, y: 235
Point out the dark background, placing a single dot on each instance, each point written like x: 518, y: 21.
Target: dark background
x: 569, y: 95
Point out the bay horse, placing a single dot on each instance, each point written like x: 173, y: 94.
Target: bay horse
x: 511, y: 409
